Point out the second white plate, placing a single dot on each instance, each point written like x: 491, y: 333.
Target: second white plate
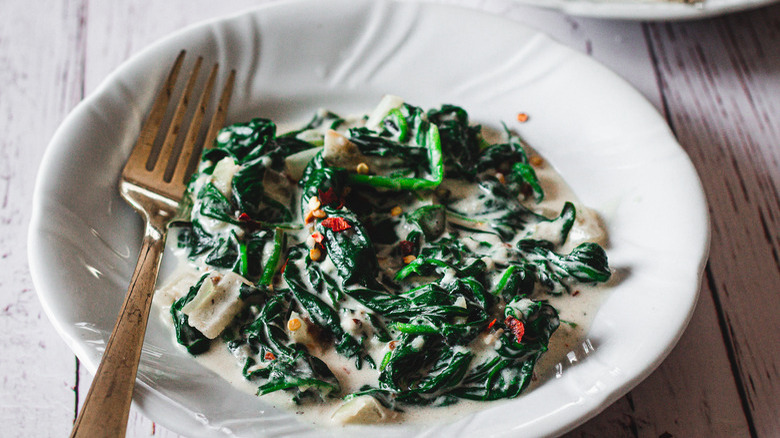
x: 650, y: 10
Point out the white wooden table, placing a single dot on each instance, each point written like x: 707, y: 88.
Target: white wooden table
x: 717, y: 81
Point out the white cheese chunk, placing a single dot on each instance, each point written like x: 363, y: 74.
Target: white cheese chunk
x: 340, y: 152
x: 361, y: 410
x: 295, y: 164
x: 181, y: 280
x: 383, y: 108
x: 216, y: 304
x: 222, y: 177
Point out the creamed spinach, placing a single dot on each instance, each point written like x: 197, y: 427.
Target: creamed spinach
x: 404, y: 240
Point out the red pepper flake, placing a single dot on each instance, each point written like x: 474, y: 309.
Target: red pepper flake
x: 328, y: 196
x: 391, y: 345
x: 243, y: 217
x: 406, y: 247
x: 516, y: 326
x: 284, y: 265
x: 318, y: 237
x: 269, y: 356
x: 491, y: 323
x: 335, y: 223
x: 522, y: 117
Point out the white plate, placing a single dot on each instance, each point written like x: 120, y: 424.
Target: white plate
x: 647, y: 9
x: 607, y: 141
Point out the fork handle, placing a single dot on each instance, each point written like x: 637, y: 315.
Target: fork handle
x: 106, y: 408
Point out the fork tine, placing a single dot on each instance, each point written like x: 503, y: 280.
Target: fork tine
x: 167, y: 151
x: 143, y: 147
x: 168, y: 173
x: 188, y: 149
x: 219, y: 114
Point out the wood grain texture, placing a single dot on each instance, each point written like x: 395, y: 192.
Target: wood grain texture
x: 716, y: 80
x: 41, y: 64
x: 721, y: 88
x: 118, y: 30
x: 691, y: 394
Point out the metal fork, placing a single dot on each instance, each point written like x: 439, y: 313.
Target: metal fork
x: 153, y: 183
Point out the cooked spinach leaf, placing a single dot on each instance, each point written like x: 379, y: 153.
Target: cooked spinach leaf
x: 186, y: 335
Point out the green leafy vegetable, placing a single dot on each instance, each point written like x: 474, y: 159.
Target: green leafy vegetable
x: 188, y: 336
x: 407, y: 261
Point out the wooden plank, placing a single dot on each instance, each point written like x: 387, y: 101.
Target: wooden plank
x: 41, y: 61
x: 117, y: 31
x: 720, y: 84
x: 692, y: 393
x: 611, y: 43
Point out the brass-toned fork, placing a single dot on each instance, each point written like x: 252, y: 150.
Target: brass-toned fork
x: 153, y: 183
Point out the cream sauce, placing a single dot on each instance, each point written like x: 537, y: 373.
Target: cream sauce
x: 568, y: 344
